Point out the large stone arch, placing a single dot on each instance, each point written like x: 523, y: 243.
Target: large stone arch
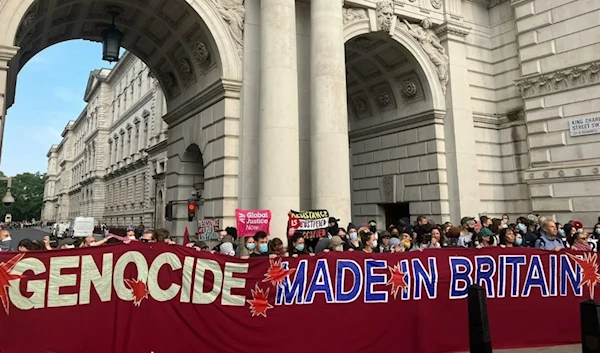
x: 397, y: 146
x: 406, y: 41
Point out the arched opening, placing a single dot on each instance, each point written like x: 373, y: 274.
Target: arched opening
x: 160, y: 210
x: 396, y: 129
x: 192, y: 51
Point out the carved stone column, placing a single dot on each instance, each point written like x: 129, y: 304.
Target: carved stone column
x: 330, y: 162
x: 461, y: 152
x: 6, y: 54
x: 279, y: 148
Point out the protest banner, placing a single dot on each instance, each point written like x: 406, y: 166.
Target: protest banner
x: 202, y: 298
x: 312, y: 223
x: 208, y: 229
x: 251, y: 221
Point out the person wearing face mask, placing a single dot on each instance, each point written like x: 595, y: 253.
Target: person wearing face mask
x: 333, y: 226
x: 248, y: 248
x: 505, y: 219
x: 261, y: 249
x: 368, y: 239
x: 384, y: 245
x: 466, y: 239
x: 276, y: 248
x: 297, y: 246
x: 529, y: 238
x: 354, y: 242
x: 596, y: 234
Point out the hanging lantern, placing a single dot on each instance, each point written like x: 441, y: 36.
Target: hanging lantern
x: 111, y: 41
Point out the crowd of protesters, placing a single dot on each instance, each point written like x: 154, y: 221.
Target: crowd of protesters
x: 531, y: 231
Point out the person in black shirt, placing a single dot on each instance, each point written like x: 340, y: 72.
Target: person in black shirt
x: 297, y: 246
x: 262, y: 245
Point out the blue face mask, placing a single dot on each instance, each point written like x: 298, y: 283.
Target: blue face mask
x: 561, y: 232
x: 505, y: 226
x: 597, y: 231
x: 353, y: 236
x: 519, y: 241
x: 522, y: 227
x: 263, y: 248
x: 300, y: 247
x: 251, y: 246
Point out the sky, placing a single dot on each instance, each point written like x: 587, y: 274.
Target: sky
x: 50, y: 89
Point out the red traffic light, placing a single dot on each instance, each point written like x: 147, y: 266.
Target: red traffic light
x: 192, y: 207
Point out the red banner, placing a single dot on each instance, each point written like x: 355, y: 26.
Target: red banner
x: 142, y: 298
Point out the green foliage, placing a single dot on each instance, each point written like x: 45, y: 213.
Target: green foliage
x: 28, y: 191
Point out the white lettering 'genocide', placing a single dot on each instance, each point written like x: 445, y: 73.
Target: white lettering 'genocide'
x: 336, y: 280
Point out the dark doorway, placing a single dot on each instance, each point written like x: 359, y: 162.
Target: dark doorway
x: 395, y: 211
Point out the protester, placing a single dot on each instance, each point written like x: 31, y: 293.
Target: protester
x: 368, y: 239
x: 276, y: 248
x: 248, y: 249
x: 579, y: 241
x: 548, y: 239
x: 297, y: 245
x: 262, y: 245
x: 5, y: 240
x: 336, y: 244
x: 131, y: 233
x: 509, y: 239
x: 384, y: 242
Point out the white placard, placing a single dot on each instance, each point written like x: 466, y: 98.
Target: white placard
x: 584, y: 126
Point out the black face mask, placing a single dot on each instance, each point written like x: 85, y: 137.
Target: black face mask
x: 373, y: 229
x: 471, y: 230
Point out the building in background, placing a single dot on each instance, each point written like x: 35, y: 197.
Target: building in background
x: 102, y: 168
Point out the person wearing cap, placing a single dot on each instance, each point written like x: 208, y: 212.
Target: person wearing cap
x: 485, y: 238
x: 384, y: 242
x: 354, y: 241
x: 549, y: 239
x: 333, y: 226
x: 335, y: 244
x: 465, y: 239
x: 131, y: 233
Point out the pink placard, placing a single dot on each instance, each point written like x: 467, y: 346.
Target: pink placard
x: 251, y: 221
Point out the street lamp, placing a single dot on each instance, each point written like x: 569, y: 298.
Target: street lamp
x: 111, y: 39
x: 8, y: 199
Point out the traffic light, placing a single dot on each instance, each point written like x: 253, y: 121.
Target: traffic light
x: 191, y: 210
x: 169, y: 211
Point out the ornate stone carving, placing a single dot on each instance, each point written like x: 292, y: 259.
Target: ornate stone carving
x: 234, y: 14
x: 354, y: 14
x: 360, y: 105
x: 561, y: 173
x: 432, y: 47
x: 388, y: 188
x: 577, y: 172
x: 200, y: 52
x: 409, y: 89
x: 546, y: 174
x: 437, y: 4
x: 26, y: 24
x: 578, y: 76
x: 383, y: 98
x: 385, y: 14
x: 595, y: 170
x: 185, y: 68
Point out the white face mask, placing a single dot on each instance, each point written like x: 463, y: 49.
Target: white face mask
x: 339, y: 248
x: 374, y: 243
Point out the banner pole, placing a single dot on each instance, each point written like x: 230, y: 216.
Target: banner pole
x: 480, y: 340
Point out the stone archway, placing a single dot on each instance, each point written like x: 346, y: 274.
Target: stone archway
x: 193, y: 48
x: 396, y: 106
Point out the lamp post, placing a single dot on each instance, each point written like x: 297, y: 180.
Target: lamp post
x: 111, y: 39
x: 8, y: 198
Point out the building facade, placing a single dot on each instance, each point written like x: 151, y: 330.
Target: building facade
x: 372, y: 109
x: 101, y: 168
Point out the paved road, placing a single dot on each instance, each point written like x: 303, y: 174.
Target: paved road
x: 32, y: 233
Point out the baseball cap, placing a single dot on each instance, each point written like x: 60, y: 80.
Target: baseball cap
x: 485, y: 232
x: 577, y: 224
x: 532, y: 218
x: 333, y: 220
x: 465, y: 220
x: 131, y: 229
x: 335, y: 241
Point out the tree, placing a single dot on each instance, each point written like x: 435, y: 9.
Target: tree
x: 28, y: 191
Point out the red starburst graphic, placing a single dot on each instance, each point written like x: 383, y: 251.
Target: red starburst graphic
x: 589, y: 271
x: 259, y: 304
x: 6, y: 276
x: 276, y: 274
x: 397, y: 280
x: 138, y: 289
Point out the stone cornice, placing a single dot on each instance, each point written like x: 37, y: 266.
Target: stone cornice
x: 518, y: 2
x: 210, y: 95
x: 7, y: 53
x: 401, y: 124
x: 560, y: 80
x: 452, y: 28
x: 157, y: 148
